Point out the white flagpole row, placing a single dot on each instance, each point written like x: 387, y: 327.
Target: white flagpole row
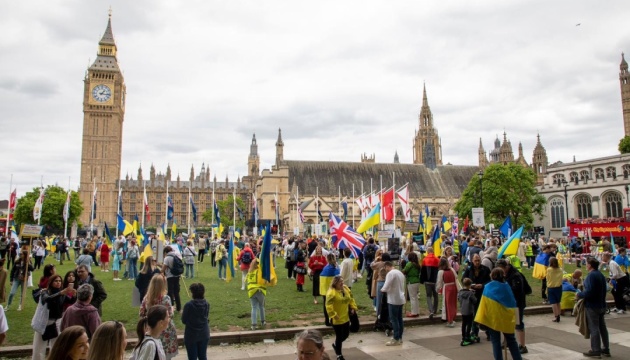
x: 6, y: 231
x: 67, y: 216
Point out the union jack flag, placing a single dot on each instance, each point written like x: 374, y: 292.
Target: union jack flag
x: 302, y: 219
x: 343, y: 235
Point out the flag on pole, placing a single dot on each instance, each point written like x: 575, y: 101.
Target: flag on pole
x: 146, y: 205
x: 446, y: 225
x: 302, y: 219
x: 194, y: 209
x: 506, y: 227
x: 427, y: 218
x: 66, y: 208
x: 217, y: 215
x: 240, y: 213
x: 465, y: 228
x: 510, y: 247
x: 344, y: 205
x: 173, y: 229
x: 136, y: 226
x: 124, y: 226
x: 403, y: 196
x: 120, y: 203
x: 39, y: 203
x: 343, y: 236
x: 12, y: 204
x: 267, y: 270
x: 371, y: 220
x: 94, y: 204
x: 421, y: 221
x: 319, y: 213
x: 388, y: 205
x: 361, y: 205
x: 230, y: 256
x: 455, y: 226
x: 169, y: 209
x: 108, y: 236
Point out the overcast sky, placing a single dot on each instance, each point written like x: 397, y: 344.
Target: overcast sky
x: 339, y: 77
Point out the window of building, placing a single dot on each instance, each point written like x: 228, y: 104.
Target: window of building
x: 611, y: 172
x: 557, y: 179
x: 132, y: 207
x: 132, y: 195
x: 626, y: 171
x: 584, y: 206
x: 584, y: 176
x: 613, y: 203
x: 196, y: 196
x: 184, y: 207
x: 574, y: 177
x: 599, y: 173
x: 158, y: 207
x: 557, y: 213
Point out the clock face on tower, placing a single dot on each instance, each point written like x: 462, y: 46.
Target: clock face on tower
x: 101, y: 93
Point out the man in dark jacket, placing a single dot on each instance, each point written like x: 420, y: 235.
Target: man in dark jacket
x: 428, y: 277
x: 480, y: 276
x: 83, y: 276
x: 594, y: 296
x: 517, y: 283
x: 82, y: 313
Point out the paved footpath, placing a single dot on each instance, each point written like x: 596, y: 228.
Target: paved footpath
x: 545, y: 340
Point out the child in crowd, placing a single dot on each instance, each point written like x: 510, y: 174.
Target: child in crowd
x: 467, y: 301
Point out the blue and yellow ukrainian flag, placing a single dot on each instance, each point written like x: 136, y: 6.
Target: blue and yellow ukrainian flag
x: 497, y: 309
x: 326, y: 278
x: 268, y: 271
x: 446, y: 225
x: 123, y: 225
x: 567, y: 301
x: 540, y: 266
x: 373, y: 219
x: 510, y: 247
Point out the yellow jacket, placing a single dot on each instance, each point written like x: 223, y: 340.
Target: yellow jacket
x: 255, y: 283
x: 337, y: 303
x: 554, y: 277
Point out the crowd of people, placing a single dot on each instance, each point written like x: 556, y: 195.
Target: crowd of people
x: 461, y: 274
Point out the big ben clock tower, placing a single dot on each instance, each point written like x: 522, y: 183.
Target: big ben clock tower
x: 103, y: 116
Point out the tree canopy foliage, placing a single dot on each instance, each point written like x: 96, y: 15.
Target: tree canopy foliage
x: 507, y: 190
x: 226, y: 210
x: 624, y: 145
x: 52, y: 211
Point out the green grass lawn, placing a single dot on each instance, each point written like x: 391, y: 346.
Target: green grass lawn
x: 229, y: 305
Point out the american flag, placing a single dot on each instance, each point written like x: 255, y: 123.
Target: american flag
x: 343, y: 235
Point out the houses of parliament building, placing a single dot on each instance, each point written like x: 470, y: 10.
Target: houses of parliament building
x: 321, y: 185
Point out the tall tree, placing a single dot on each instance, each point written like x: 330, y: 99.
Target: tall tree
x: 52, y: 212
x: 506, y: 190
x: 624, y: 145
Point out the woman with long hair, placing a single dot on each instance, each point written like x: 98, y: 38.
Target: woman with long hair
x: 38, y: 253
x: 117, y: 255
x: 554, y: 287
x: 302, y: 256
x: 54, y: 297
x: 133, y: 253
x: 339, y: 304
x: 104, y: 250
x: 22, y: 268
x: 325, y: 279
x: 108, y: 342
x: 256, y: 290
x: 156, y: 295
x: 412, y: 274
x: 149, y: 328
x: 149, y: 268
x: 451, y: 257
x: 71, y: 344
x: 316, y: 263
x: 69, y: 282
x: 447, y: 285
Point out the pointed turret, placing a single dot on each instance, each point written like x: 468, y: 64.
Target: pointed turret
x: 396, y: 159
x: 192, y: 173
x: 426, y: 136
x: 539, y: 161
x: 106, y: 56
x: 152, y: 173
x: 624, y: 82
x: 279, y: 149
x: 624, y: 65
x: 521, y: 159
x: 168, y: 172
x: 140, y: 172
x: 253, y: 148
x: 483, y: 160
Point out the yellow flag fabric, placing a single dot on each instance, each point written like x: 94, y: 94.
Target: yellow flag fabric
x: 147, y: 251
x: 497, y: 309
x: 173, y: 230
x: 510, y: 247
x: 437, y: 246
x: 373, y: 219
x: 161, y: 235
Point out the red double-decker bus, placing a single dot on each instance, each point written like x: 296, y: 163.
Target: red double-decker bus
x: 3, y: 226
x: 618, y: 228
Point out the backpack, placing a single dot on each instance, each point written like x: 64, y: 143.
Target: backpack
x: 132, y: 253
x: 293, y: 255
x: 246, y: 258
x: 370, y: 252
x: 178, y: 266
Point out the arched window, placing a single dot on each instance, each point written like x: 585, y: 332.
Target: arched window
x: 574, y: 177
x: 599, y: 173
x: 433, y: 212
x: 611, y: 172
x: 626, y: 171
x: 557, y: 213
x: 557, y: 179
x: 584, y: 207
x: 613, y: 203
x: 584, y: 176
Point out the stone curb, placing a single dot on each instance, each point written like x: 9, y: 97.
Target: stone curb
x: 255, y: 336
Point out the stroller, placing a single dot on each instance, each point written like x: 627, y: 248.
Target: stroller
x: 382, y: 322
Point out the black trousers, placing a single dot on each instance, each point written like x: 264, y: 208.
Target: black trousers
x: 467, y: 323
x: 173, y: 291
x: 342, y: 331
x: 544, y: 289
x: 289, y: 265
x: 622, y: 284
x: 202, y: 253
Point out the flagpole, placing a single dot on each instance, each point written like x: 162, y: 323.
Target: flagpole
x: 380, y: 201
x: 394, y: 200
x: 297, y: 208
x: 6, y: 230
x: 91, y: 215
x: 234, y: 211
x: 189, y: 202
x: 339, y: 205
x: 65, y: 228
x: 317, y: 208
x: 144, y: 197
x: 165, y: 228
x: 277, y: 213
x: 213, y: 214
x: 41, y: 211
x: 353, y: 202
x: 117, y: 207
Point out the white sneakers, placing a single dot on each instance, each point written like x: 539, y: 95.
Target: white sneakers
x: 393, y: 342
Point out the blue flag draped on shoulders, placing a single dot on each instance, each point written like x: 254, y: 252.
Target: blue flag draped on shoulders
x: 540, y: 266
x: 497, y: 308
x: 326, y: 277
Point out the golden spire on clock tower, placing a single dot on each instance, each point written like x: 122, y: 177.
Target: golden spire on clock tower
x: 103, y: 115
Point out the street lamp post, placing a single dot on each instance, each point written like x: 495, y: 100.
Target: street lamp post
x: 566, y: 197
x: 627, y: 200
x: 480, y: 174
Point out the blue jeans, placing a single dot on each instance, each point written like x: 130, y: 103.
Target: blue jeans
x: 379, y: 297
x: 132, y: 268
x: 497, y: 348
x: 597, y: 328
x: 14, y: 288
x: 222, y: 268
x: 190, y: 270
x: 197, y: 350
x: 258, y: 307
x: 396, y: 318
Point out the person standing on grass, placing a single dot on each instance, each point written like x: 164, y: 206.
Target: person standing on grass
x: 195, y: 318
x: 245, y: 258
x: 133, y: 253
x: 394, y: 286
x: 86, y: 277
x: 428, y: 277
x: 203, y: 242
x: 256, y: 291
x: 117, y: 255
x: 171, y: 279
x: 19, y: 274
x: 82, y: 312
x: 339, y: 304
x: 104, y: 250
x: 412, y: 274
x: 222, y: 260
x: 189, y: 255
x: 156, y: 295
x: 316, y: 263
x: 594, y: 296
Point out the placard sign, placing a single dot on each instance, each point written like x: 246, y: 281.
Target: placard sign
x: 478, y: 218
x: 31, y: 230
